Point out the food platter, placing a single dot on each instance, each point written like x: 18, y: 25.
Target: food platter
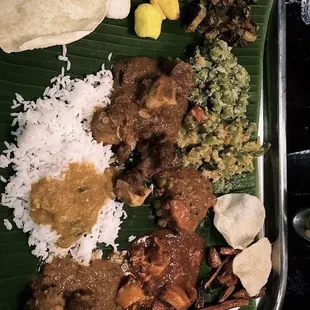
x: 28, y: 73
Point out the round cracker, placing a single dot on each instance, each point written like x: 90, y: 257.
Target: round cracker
x: 253, y: 265
x: 30, y: 24
x: 239, y: 218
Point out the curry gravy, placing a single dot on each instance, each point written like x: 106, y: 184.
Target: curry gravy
x: 72, y: 204
x: 66, y: 285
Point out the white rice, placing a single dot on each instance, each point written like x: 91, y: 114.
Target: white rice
x: 52, y: 132
x: 64, y: 50
x: 64, y: 58
x: 131, y: 238
x: 110, y: 57
x: 68, y: 65
x: 7, y: 224
x: 19, y: 98
x: 15, y: 105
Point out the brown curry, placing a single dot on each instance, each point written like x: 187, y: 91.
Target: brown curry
x: 64, y: 284
x: 162, y: 271
x: 72, y: 204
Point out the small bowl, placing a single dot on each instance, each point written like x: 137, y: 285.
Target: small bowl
x: 299, y: 223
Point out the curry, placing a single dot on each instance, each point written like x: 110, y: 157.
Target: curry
x: 64, y: 284
x: 72, y: 204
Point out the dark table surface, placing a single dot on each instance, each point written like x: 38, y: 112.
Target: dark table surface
x: 298, y: 138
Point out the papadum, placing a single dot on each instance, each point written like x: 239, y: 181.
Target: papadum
x: 239, y: 218
x: 253, y: 265
x: 30, y: 24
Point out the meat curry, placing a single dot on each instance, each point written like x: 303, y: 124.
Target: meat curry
x: 65, y: 284
x: 184, y: 197
x: 150, y: 98
x: 163, y: 270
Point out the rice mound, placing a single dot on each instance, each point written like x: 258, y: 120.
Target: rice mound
x: 53, y: 132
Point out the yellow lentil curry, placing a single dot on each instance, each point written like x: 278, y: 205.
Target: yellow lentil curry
x: 72, y: 204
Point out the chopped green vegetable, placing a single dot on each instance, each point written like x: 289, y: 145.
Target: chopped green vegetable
x: 221, y: 83
x: 224, y: 144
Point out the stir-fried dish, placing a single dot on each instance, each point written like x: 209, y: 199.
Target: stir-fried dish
x: 149, y: 103
x: 228, y: 20
x: 217, y: 137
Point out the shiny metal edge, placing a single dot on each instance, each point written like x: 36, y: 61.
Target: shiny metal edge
x: 272, y: 169
x: 260, y: 160
x: 282, y: 163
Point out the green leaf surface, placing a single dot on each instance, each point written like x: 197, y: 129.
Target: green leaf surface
x: 29, y: 73
x: 251, y: 306
x: 210, y: 234
x: 214, y: 293
x: 205, y: 271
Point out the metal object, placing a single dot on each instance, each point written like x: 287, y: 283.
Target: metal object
x: 305, y: 11
x: 282, y: 191
x: 299, y: 223
x: 273, y: 169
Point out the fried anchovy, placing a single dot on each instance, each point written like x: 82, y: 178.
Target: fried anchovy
x: 227, y: 293
x: 200, y: 297
x: 214, y: 259
x: 243, y: 294
x: 229, y: 251
x: 208, y: 283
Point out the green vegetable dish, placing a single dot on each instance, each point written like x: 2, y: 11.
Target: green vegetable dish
x: 217, y: 136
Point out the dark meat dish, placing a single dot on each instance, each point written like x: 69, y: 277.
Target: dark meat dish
x: 162, y: 271
x: 228, y: 20
x: 157, y: 155
x: 65, y: 284
x: 150, y: 98
x: 148, y: 106
x: 184, y: 197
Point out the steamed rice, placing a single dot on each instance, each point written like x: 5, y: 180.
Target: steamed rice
x: 8, y: 225
x: 53, y: 132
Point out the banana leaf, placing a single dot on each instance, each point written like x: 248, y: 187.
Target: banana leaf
x: 28, y: 73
